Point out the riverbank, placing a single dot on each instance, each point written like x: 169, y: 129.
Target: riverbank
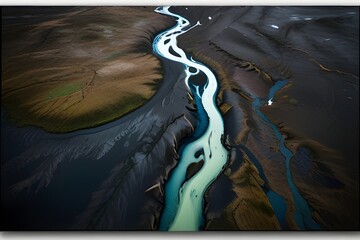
x: 112, y: 177
x: 250, y: 48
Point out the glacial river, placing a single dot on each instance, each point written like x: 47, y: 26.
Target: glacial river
x: 183, y: 209
x: 184, y: 198
x: 302, y: 215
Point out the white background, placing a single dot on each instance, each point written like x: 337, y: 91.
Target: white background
x: 179, y: 2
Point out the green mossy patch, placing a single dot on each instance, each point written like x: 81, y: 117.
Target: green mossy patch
x: 95, y: 118
x: 64, y: 90
x: 117, y: 54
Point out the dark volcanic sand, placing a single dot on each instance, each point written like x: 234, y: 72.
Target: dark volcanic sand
x: 316, y: 50
x: 96, y: 178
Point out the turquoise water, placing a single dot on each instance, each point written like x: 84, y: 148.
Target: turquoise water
x: 279, y: 205
x: 302, y: 215
x: 183, y: 210
x: 277, y: 202
x: 184, y: 199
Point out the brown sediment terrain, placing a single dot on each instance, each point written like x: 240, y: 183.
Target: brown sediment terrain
x: 321, y: 168
x: 249, y: 130
x: 70, y: 68
x: 316, y: 50
x: 241, y: 81
x: 122, y: 167
x: 251, y: 208
x: 97, y: 178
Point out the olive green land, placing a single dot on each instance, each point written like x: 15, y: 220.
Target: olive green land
x: 65, y: 69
